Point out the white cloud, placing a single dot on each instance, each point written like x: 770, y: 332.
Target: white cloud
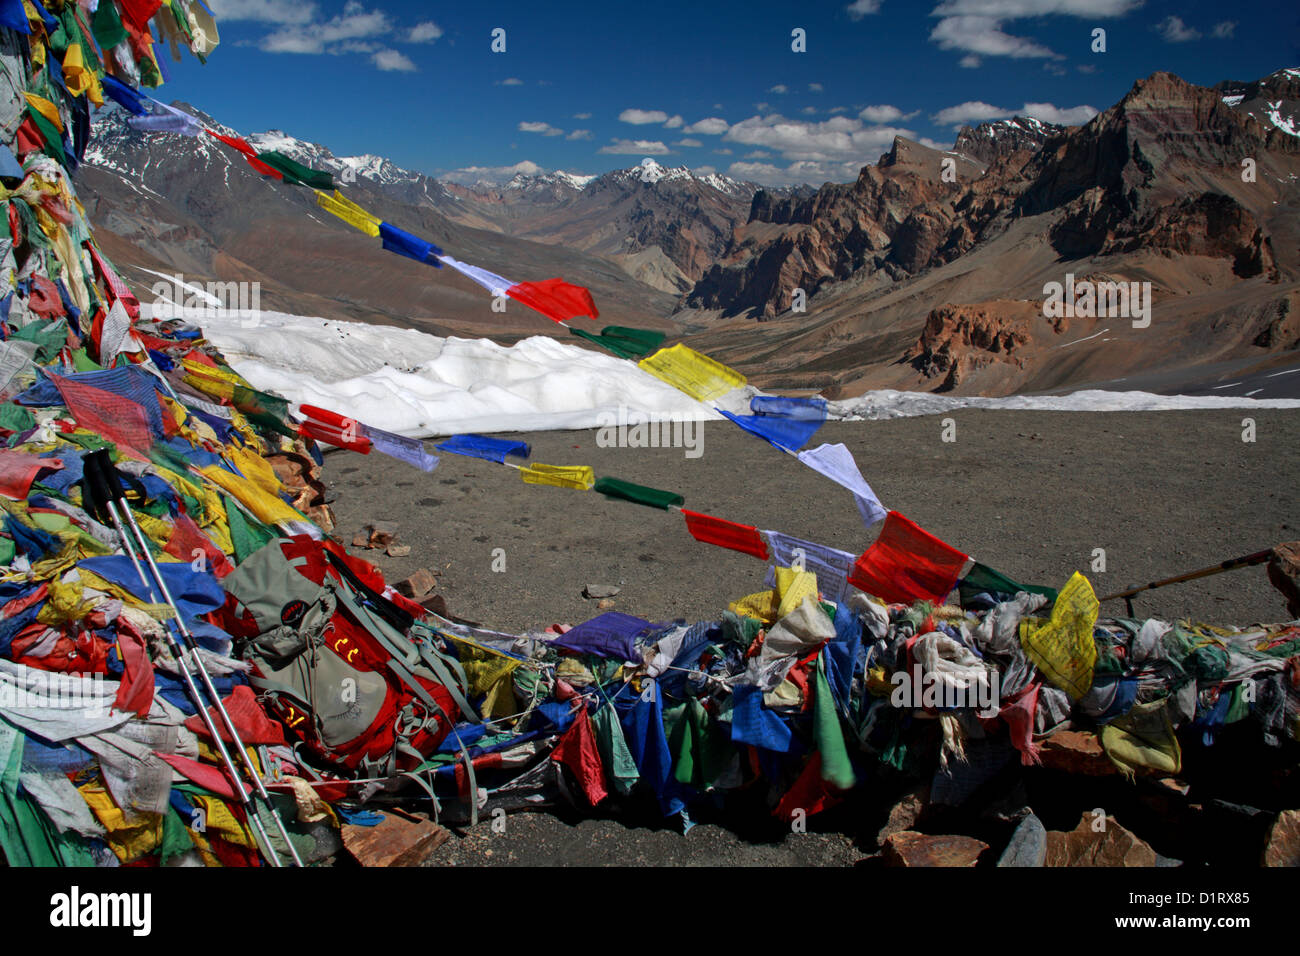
x: 263, y: 11
x: 1016, y: 9
x: 425, y: 32
x: 779, y: 89
x: 392, y: 61
x: 510, y: 81
x: 972, y: 111
x: 815, y: 87
x: 976, y: 111
x: 355, y: 23
x: 882, y: 114
x: 1224, y: 30
x: 704, y: 170
x: 711, y: 126
x: 861, y: 8
x: 798, y: 173
x: 1047, y: 113
x: 642, y: 117
x: 629, y: 147
x: 579, y: 134
x: 933, y: 144
x: 674, y: 122
x: 758, y: 154
x: 723, y: 152
x: 1173, y: 30
x: 688, y: 142
x: 840, y: 139
x: 582, y: 116
x: 975, y: 26
x: 470, y: 175
x: 984, y: 36
x: 546, y: 129
x: 970, y: 61
x: 809, y: 110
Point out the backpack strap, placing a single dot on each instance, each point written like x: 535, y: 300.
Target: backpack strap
x: 409, y: 653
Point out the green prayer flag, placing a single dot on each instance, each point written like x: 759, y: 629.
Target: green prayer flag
x: 50, y: 133
x: 296, y: 174
x: 836, y: 768
x: 107, y: 26
x: 640, y: 494
x: 247, y: 534
x: 983, y: 578
x: 626, y: 343
x: 620, y: 767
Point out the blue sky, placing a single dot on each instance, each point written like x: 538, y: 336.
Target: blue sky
x: 589, y: 87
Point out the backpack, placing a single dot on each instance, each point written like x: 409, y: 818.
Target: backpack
x: 348, y: 672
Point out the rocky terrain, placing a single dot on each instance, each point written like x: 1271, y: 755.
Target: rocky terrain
x: 927, y: 272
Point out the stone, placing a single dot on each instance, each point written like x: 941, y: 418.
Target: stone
x: 911, y: 849
x: 1076, y: 752
x: 1284, y: 574
x: 904, y: 814
x: 1028, y: 844
x: 1112, y: 846
x: 1283, y: 847
x: 399, y: 839
x: 398, y: 550
x: 596, y: 591
x: 361, y: 539
x: 435, y: 603
x: 605, y: 605
x: 417, y: 585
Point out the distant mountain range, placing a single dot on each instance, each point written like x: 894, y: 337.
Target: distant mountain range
x: 927, y: 272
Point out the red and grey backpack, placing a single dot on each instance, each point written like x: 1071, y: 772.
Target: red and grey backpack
x: 338, y: 663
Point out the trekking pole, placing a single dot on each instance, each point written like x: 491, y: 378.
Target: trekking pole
x: 108, y: 487
x: 1245, y: 561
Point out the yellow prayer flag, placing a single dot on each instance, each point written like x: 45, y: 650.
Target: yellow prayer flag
x: 75, y: 74
x: 338, y: 205
x: 579, y: 477
x: 45, y: 108
x: 1062, y: 646
x: 793, y: 586
x: 762, y: 605
x: 688, y: 371
x: 265, y: 507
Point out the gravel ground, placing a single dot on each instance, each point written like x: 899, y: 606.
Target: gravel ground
x: 1030, y: 493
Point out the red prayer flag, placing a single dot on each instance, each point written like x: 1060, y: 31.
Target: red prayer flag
x: 28, y: 139
x: 555, y: 299
x: 138, y: 13
x: 577, y: 751
x: 907, y: 564
x: 205, y: 775
x: 726, y: 534
x: 18, y: 470
x: 236, y: 142
x: 809, y: 793
x: 120, y: 420
x: 188, y: 542
x: 135, y: 692
x: 254, y: 726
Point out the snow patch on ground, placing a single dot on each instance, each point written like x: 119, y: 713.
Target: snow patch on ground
x: 425, y: 386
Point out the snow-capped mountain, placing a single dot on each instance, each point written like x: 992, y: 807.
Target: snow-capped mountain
x: 999, y: 139
x: 1274, y: 100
